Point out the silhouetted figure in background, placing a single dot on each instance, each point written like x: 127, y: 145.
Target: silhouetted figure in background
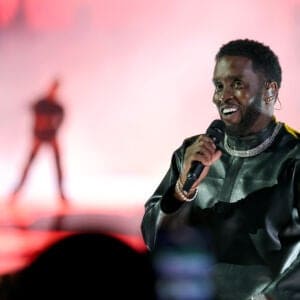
x: 48, y: 116
x: 88, y: 266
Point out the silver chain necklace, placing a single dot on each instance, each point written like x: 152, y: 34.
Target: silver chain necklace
x: 256, y: 150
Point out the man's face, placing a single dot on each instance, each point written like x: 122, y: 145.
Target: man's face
x: 238, y: 95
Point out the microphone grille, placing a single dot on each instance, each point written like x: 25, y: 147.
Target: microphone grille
x: 216, y: 130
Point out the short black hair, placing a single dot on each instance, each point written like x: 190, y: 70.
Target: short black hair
x: 264, y: 60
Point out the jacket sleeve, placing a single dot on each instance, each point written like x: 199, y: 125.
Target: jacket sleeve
x: 153, y: 212
x: 162, y: 209
x: 287, y: 283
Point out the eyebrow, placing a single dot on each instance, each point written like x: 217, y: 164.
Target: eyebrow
x: 236, y: 77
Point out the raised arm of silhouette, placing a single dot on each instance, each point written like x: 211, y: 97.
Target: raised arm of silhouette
x: 48, y: 115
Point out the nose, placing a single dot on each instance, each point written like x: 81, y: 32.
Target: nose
x: 223, y: 96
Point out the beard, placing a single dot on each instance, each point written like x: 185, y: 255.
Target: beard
x: 249, y: 118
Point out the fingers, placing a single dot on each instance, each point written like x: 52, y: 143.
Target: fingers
x: 203, y: 150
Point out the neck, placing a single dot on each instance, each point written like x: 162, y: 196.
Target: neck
x: 253, y: 144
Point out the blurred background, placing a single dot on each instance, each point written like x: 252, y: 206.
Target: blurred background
x: 136, y: 79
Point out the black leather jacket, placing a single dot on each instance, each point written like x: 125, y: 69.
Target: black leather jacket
x: 251, y: 205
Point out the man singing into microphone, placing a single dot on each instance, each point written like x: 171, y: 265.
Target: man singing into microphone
x: 248, y: 191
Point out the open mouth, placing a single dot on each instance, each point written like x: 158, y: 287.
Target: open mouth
x: 228, y: 110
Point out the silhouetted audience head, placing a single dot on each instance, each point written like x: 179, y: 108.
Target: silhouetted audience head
x: 88, y: 265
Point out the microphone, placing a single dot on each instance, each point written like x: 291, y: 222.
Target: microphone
x: 216, y: 132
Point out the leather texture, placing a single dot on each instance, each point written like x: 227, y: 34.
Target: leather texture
x: 251, y: 208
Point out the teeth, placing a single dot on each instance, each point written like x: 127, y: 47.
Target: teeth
x: 230, y: 110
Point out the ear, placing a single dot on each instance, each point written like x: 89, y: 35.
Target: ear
x: 271, y: 92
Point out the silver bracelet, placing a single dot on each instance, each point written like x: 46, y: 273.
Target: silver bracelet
x: 181, y: 193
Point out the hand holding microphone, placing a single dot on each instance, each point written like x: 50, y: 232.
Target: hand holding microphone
x: 202, y: 153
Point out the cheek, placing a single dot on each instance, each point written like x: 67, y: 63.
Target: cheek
x: 216, y: 99
x: 244, y: 97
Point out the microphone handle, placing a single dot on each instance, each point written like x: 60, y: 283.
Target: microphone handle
x: 194, y: 172
x: 216, y: 132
